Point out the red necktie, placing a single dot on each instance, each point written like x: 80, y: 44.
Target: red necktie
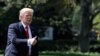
x: 27, y: 35
x: 26, y: 32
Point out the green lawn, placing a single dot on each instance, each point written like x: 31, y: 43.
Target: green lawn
x: 1, y: 55
x: 64, y: 53
x: 69, y: 53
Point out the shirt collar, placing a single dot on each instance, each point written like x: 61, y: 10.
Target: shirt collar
x: 24, y: 24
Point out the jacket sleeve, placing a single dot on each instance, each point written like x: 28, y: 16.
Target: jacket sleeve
x: 13, y: 38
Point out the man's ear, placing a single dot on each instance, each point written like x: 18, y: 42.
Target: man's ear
x: 20, y: 17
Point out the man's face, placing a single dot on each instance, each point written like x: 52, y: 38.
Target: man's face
x: 27, y: 18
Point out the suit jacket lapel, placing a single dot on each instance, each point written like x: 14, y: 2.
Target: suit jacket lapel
x: 21, y: 28
x: 33, y: 32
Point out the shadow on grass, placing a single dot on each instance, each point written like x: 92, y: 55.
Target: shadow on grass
x: 1, y: 52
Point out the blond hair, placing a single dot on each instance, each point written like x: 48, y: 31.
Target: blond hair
x: 23, y: 10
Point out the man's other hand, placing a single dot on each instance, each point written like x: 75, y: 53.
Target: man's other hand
x: 32, y: 41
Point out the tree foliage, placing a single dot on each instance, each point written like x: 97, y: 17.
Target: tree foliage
x: 62, y: 15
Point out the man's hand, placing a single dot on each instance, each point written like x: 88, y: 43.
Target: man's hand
x: 32, y: 41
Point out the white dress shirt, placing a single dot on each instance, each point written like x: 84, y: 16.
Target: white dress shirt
x: 30, y: 36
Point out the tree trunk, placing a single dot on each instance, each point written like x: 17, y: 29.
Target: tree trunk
x: 85, y: 25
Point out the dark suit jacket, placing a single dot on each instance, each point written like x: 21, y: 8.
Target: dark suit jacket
x: 17, y: 42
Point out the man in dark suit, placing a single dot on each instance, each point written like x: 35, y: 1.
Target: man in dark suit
x: 22, y: 38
